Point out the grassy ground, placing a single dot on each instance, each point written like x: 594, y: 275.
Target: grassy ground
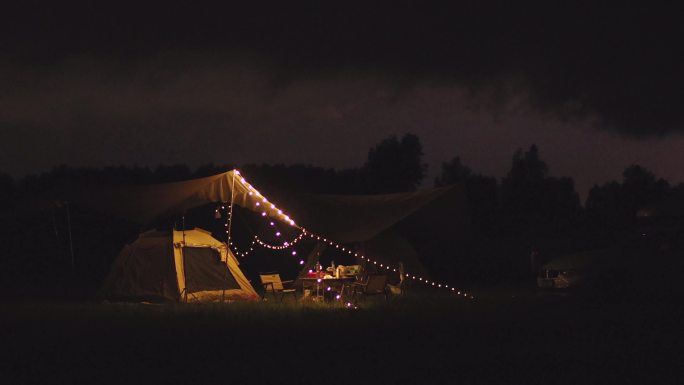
x: 503, y: 337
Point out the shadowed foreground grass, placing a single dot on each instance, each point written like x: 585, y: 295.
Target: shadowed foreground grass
x: 422, y: 339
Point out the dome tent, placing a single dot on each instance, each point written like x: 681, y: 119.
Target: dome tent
x: 185, y: 266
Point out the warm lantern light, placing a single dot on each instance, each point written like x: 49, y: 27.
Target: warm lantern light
x: 301, y: 262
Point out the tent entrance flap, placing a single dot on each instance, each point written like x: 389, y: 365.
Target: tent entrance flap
x: 204, y: 270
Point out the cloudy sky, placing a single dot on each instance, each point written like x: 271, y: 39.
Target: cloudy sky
x: 91, y: 85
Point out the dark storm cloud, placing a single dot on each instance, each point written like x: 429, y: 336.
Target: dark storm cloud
x: 621, y: 64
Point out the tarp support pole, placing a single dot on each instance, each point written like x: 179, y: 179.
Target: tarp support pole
x: 230, y: 214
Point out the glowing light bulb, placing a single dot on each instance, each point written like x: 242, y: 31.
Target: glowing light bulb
x: 319, y: 280
x: 250, y: 193
x: 328, y: 288
x: 243, y: 180
x: 272, y: 224
x: 294, y: 252
x: 280, y: 211
x: 264, y: 200
x: 278, y: 234
x: 338, y: 296
x: 263, y: 214
x: 257, y: 203
x: 301, y: 262
x: 237, y: 172
x: 272, y: 206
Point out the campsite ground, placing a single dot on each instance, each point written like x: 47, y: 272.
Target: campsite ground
x: 505, y: 336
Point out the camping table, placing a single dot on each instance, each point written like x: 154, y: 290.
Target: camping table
x: 335, y: 284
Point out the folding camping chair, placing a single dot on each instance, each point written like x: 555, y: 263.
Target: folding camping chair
x: 271, y: 281
x: 373, y: 285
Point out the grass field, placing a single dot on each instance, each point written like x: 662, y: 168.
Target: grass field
x: 500, y: 338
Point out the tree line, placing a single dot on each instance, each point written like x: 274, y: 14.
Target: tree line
x: 528, y: 210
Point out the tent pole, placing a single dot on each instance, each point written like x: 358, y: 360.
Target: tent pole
x: 183, y: 224
x: 71, y: 240
x: 230, y: 214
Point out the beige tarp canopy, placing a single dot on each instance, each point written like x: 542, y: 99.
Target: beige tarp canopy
x: 370, y: 224
x: 358, y: 218
x: 342, y: 218
x: 144, y: 204
x: 365, y: 221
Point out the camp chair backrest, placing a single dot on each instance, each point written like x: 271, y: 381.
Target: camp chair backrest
x: 271, y: 278
x: 376, y: 283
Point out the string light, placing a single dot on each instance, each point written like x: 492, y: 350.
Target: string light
x: 287, y: 219
x: 368, y: 260
x: 285, y: 245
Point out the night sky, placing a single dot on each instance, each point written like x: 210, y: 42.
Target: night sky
x: 597, y: 88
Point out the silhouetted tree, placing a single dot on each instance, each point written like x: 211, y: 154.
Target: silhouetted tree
x: 453, y: 172
x: 533, y: 201
x: 481, y: 191
x: 523, y: 187
x: 6, y: 187
x: 613, y: 206
x: 395, y: 165
x: 173, y: 173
